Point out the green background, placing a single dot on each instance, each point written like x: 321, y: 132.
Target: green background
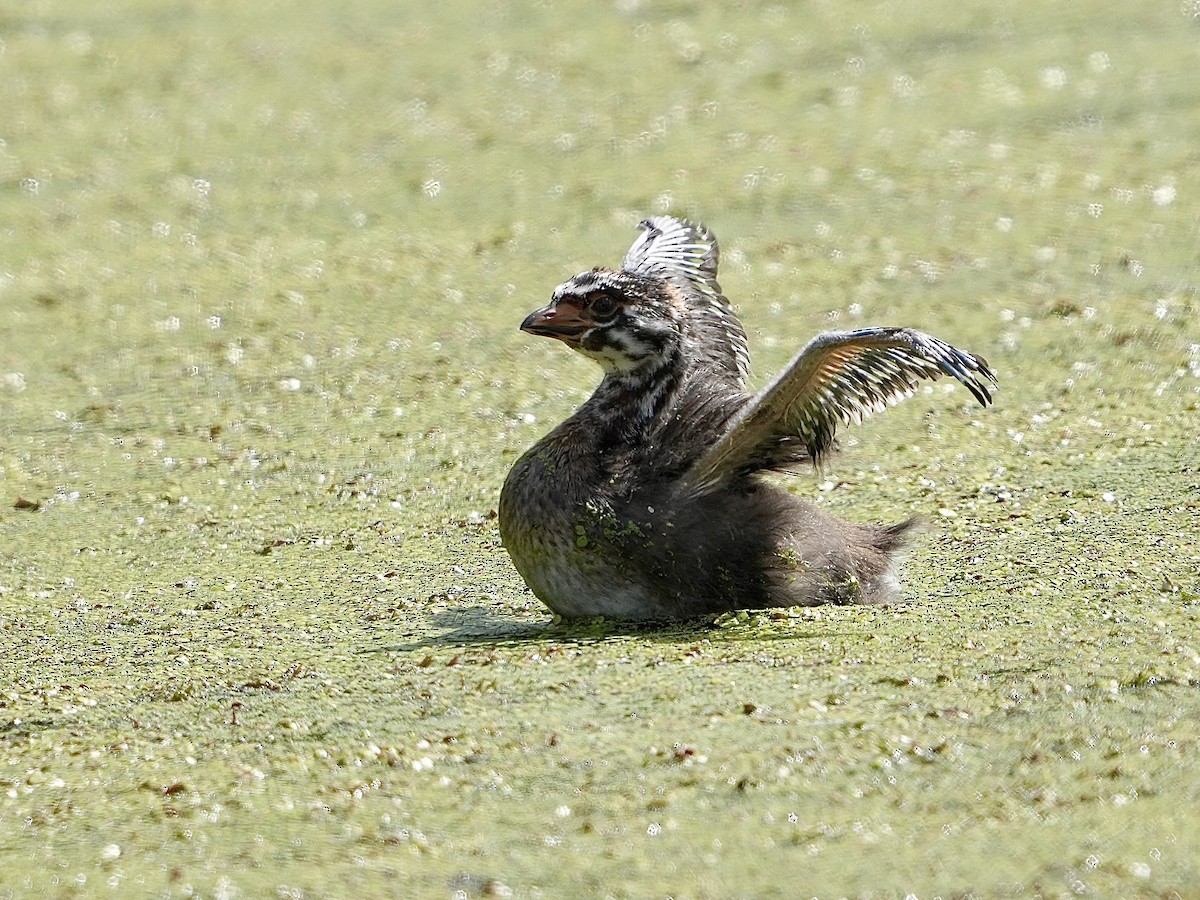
x: 261, y: 271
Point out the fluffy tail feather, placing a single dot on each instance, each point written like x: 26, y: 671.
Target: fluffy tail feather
x: 891, y: 538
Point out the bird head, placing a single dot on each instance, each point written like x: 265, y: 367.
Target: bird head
x: 625, y: 321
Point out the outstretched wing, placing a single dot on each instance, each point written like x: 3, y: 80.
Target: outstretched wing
x: 686, y: 255
x: 839, y: 378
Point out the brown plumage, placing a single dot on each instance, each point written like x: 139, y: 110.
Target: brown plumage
x: 649, y: 501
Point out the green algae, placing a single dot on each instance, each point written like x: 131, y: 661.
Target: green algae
x: 260, y: 382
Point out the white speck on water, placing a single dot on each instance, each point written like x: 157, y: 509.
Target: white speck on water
x: 290, y: 384
x: 1053, y: 78
x: 1004, y: 224
x: 1108, y: 497
x: 214, y: 322
x: 903, y: 85
x: 1164, y: 195
x: 79, y: 42
x: 999, y: 87
x: 110, y: 852
x: 1139, y: 870
x: 1047, y: 175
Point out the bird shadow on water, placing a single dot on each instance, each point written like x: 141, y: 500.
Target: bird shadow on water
x: 481, y: 626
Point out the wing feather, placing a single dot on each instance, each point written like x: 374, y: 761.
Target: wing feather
x: 686, y: 255
x: 838, y: 379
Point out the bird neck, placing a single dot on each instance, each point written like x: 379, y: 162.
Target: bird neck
x: 628, y: 404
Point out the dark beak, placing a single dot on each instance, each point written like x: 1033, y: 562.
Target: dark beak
x: 562, y: 322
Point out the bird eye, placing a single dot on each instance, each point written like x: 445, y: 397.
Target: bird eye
x: 602, y: 306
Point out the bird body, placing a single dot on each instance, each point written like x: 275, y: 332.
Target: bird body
x: 649, y: 501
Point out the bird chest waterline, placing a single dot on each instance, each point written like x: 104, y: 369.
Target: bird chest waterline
x: 649, y: 502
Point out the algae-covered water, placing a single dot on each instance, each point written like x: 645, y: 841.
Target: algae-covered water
x: 261, y: 268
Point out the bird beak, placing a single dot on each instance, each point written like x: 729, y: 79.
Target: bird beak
x: 561, y: 321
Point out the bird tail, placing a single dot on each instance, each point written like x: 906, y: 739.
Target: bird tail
x: 890, y: 538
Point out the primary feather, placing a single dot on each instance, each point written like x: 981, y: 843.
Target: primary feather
x: 686, y: 255
x: 840, y: 377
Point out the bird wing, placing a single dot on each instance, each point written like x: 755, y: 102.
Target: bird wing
x: 839, y: 378
x: 685, y: 254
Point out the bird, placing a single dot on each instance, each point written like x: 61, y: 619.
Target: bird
x: 653, y: 501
